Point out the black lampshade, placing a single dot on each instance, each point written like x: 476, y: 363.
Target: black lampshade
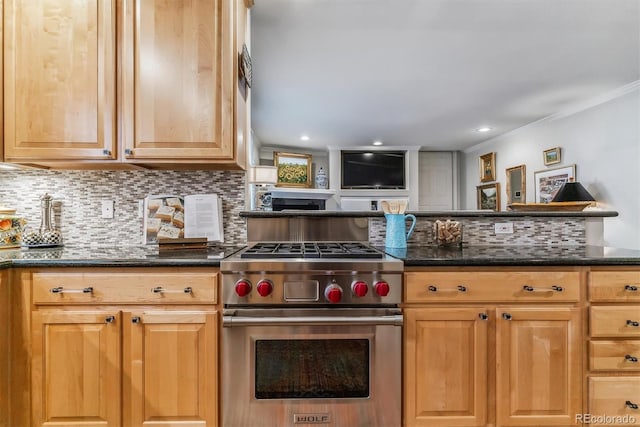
x: 573, y: 192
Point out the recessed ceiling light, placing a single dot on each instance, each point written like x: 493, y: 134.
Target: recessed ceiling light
x: 377, y: 142
x: 304, y: 138
x: 484, y: 129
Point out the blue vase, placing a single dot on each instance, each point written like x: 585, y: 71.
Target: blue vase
x: 396, y: 232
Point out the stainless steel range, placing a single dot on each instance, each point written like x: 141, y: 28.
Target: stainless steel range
x: 311, y: 336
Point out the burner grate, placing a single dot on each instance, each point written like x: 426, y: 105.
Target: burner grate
x: 311, y: 250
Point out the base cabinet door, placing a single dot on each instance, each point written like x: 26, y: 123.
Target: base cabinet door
x: 446, y: 367
x: 538, y: 366
x: 76, y: 368
x: 170, y: 366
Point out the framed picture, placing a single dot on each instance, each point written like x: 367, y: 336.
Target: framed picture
x: 516, y: 184
x: 551, y: 156
x: 488, y: 167
x: 294, y: 170
x: 489, y: 196
x: 549, y: 181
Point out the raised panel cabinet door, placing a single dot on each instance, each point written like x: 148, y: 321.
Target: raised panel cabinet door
x: 539, y: 377
x: 446, y: 367
x: 59, y: 80
x: 178, y: 79
x: 75, y: 368
x: 170, y: 368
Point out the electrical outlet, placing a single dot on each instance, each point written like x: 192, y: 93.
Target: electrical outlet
x: 107, y: 209
x: 503, y: 227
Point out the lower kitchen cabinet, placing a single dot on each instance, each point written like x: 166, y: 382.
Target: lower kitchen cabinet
x: 492, y: 361
x: 123, y: 348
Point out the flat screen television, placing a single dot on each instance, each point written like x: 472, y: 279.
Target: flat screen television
x: 373, y: 170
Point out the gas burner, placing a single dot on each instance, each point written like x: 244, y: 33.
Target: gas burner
x: 350, y: 250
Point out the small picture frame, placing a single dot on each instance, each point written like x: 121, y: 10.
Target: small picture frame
x: 549, y: 181
x: 489, y: 196
x: 552, y: 156
x: 488, y: 167
x: 294, y: 170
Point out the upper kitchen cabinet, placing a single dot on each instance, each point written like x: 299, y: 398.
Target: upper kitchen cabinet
x: 59, y: 80
x: 170, y: 102
x: 178, y: 81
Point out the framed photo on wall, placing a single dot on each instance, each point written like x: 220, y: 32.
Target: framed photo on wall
x: 294, y: 170
x: 552, y: 156
x: 549, y: 181
x: 489, y: 196
x: 488, y: 167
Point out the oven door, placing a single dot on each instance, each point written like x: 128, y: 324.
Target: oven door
x: 291, y: 367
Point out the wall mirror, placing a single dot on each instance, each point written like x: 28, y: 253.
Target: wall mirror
x: 516, y: 184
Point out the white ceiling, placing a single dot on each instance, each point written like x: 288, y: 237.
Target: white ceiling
x: 428, y: 72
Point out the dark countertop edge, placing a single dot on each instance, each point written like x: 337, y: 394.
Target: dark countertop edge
x: 520, y: 263
x: 33, y: 263
x: 427, y: 214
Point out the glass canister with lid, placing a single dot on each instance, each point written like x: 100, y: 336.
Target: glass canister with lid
x: 11, y: 228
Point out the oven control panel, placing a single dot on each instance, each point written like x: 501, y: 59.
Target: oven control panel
x: 288, y: 289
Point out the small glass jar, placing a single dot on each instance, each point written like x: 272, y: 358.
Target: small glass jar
x: 447, y: 233
x: 11, y: 228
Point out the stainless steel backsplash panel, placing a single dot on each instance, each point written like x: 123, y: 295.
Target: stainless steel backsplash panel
x: 299, y: 229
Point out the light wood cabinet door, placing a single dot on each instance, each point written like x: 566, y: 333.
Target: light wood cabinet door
x: 539, y: 377
x: 59, y: 80
x: 75, y: 368
x: 445, y: 367
x: 170, y: 368
x: 177, y: 80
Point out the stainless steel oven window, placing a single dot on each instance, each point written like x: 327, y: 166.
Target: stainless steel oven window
x: 312, y: 368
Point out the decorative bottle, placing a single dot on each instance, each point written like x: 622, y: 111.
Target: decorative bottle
x: 321, y: 179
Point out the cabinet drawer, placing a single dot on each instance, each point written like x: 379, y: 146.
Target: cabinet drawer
x: 124, y: 288
x: 486, y: 286
x: 615, y: 321
x: 614, y: 355
x: 614, y: 397
x: 622, y: 286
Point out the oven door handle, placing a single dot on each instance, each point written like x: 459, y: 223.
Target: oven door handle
x: 393, y: 320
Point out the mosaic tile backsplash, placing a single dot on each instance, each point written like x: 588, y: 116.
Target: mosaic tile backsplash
x: 77, y: 200
x: 549, y: 231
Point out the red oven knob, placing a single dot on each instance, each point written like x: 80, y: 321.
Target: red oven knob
x: 382, y: 288
x: 333, y: 293
x: 264, y: 287
x: 243, y: 288
x: 359, y: 288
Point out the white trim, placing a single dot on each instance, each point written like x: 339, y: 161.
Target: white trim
x: 569, y: 111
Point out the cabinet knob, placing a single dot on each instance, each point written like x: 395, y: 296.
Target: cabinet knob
x: 631, y: 288
x: 483, y: 316
x: 633, y: 323
x: 106, y: 152
x: 128, y: 152
x: 631, y: 358
x: 135, y: 319
x: 631, y: 405
x: 506, y: 316
x: 110, y: 319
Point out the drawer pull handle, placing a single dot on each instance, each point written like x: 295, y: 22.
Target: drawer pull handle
x: 135, y: 319
x: 506, y: 316
x: 61, y: 290
x: 554, y: 288
x: 161, y: 290
x: 110, y: 319
x: 632, y: 323
x: 631, y: 358
x: 631, y: 288
x: 483, y: 316
x: 459, y: 288
x: 631, y: 405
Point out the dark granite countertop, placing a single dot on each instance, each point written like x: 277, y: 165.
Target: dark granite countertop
x: 413, y: 256
x: 434, y: 214
x: 126, y: 256
x: 427, y: 256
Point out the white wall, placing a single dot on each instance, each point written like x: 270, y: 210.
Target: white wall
x: 602, y: 138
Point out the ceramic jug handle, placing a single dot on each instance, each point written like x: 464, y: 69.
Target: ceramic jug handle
x: 413, y: 224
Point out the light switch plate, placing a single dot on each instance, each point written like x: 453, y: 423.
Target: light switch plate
x: 503, y: 228
x: 107, y: 209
